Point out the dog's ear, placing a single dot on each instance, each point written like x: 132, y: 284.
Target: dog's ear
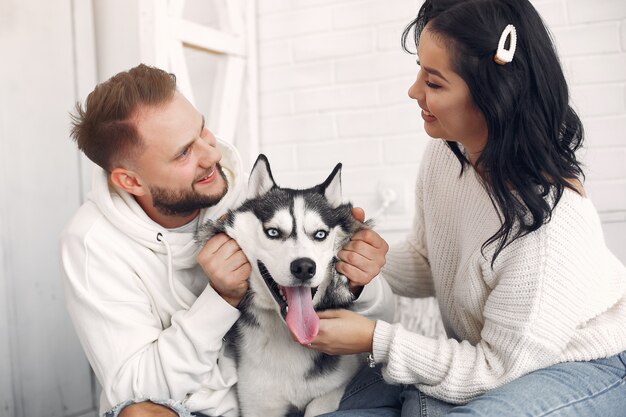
x: 331, y: 188
x: 261, y: 180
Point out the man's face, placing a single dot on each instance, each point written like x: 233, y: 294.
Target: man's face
x: 180, y: 162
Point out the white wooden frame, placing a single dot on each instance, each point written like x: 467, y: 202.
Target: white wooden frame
x: 85, y: 72
x: 163, y: 34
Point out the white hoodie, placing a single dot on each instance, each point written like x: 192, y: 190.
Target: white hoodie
x: 148, y: 322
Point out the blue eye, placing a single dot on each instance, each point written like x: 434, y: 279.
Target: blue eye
x: 320, y: 235
x: 272, y: 232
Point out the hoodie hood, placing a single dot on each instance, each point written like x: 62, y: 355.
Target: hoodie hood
x: 123, y: 211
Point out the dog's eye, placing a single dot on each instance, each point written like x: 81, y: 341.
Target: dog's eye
x: 320, y: 235
x: 272, y: 232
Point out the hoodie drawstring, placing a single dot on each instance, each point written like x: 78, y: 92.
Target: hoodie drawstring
x: 170, y: 273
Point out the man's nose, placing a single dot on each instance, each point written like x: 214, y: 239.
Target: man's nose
x: 209, y: 156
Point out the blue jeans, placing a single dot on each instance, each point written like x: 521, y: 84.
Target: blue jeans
x: 177, y: 406
x: 572, y: 389
x: 368, y: 395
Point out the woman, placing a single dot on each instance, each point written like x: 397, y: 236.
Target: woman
x: 533, y: 302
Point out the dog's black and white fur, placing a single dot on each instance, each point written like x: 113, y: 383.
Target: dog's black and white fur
x: 291, y: 238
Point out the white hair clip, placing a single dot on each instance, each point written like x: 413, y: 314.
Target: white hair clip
x: 504, y: 56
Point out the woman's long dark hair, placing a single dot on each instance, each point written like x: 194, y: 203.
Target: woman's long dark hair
x: 533, y: 133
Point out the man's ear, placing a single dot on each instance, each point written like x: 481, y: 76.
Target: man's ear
x: 127, y: 181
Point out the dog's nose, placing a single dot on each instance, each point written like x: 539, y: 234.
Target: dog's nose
x: 303, y: 268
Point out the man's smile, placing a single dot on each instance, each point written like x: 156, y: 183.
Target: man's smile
x: 207, y: 178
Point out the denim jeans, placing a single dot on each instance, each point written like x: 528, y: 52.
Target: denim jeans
x: 177, y: 406
x: 572, y: 389
x: 368, y: 395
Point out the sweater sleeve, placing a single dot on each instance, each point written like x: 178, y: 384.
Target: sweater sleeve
x: 458, y: 371
x: 407, y: 269
x: 134, y: 354
x: 546, y: 288
x: 376, y: 300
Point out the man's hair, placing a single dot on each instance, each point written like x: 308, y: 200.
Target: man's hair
x: 103, y: 129
x: 533, y: 132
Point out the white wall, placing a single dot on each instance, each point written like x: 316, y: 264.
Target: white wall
x: 42, y: 369
x: 591, y: 37
x: 334, y: 83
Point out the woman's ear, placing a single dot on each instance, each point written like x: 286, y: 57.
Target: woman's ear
x: 128, y: 181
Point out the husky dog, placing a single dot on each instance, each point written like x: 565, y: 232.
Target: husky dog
x: 291, y: 238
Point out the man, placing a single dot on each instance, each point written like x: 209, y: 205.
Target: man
x: 136, y: 283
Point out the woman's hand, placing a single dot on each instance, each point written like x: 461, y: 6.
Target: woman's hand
x: 363, y: 257
x: 343, y: 332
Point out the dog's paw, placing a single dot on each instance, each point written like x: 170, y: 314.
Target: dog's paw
x: 326, y: 403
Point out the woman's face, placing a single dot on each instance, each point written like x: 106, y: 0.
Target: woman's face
x: 447, y: 107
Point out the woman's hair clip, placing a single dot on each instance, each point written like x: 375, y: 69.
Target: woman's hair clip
x: 504, y: 56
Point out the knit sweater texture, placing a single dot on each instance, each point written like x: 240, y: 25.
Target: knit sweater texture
x: 557, y: 294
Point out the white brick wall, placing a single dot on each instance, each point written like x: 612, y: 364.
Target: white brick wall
x: 334, y: 83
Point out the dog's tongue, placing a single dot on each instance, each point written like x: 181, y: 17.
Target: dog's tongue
x: 301, y: 317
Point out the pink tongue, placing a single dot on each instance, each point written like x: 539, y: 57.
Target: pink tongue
x: 301, y: 318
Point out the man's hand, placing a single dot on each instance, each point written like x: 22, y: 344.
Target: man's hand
x: 226, y: 266
x: 363, y: 257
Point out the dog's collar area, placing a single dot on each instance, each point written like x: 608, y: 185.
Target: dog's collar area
x: 276, y: 290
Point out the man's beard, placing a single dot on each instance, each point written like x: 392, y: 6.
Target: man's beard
x: 185, y: 202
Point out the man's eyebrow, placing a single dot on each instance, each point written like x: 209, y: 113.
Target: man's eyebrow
x: 181, y: 149
x: 435, y: 72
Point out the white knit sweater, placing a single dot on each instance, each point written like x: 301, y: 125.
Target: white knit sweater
x: 555, y: 295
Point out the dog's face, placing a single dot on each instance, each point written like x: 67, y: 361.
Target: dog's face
x: 291, y: 238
